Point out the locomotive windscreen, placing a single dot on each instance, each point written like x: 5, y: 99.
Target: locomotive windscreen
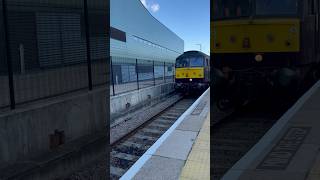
x: 276, y: 7
x: 190, y: 62
x: 225, y: 9
x: 233, y: 9
x: 196, y: 62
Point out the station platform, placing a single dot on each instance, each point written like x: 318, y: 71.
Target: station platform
x: 290, y: 149
x: 183, y: 151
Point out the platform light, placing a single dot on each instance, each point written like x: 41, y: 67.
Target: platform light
x: 258, y: 57
x: 190, y: 80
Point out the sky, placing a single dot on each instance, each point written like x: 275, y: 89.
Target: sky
x: 189, y: 19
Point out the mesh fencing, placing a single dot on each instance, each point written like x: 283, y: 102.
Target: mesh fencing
x: 124, y: 74
x: 130, y: 74
x: 159, y: 72
x: 145, y: 73
x: 169, y: 72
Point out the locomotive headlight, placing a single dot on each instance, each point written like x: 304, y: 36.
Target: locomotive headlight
x: 190, y: 80
x: 258, y: 57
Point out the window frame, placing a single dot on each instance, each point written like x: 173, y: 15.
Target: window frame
x: 253, y: 13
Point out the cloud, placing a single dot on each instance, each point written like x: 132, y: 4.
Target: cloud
x: 155, y: 7
x: 144, y: 2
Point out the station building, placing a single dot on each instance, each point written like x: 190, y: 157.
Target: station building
x: 141, y: 48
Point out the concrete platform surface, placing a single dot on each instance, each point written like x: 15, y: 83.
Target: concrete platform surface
x: 177, y: 145
x: 290, y: 149
x: 177, y: 150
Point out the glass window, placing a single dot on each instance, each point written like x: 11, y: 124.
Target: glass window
x: 224, y: 9
x: 196, y: 62
x: 182, y: 62
x: 276, y: 7
x: 190, y: 62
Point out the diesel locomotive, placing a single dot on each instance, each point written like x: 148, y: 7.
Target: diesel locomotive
x: 263, y: 46
x: 192, y: 71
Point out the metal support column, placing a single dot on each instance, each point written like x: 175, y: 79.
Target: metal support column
x: 86, y: 19
x: 154, y: 77
x: 8, y: 54
x: 137, y: 74
x: 164, y: 72
x: 112, y: 80
x: 173, y: 72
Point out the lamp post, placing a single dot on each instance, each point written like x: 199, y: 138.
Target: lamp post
x: 200, y: 46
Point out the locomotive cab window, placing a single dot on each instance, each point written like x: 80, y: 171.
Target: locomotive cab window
x: 190, y: 62
x: 233, y: 9
x: 276, y: 7
x: 182, y: 62
x: 224, y: 9
x: 196, y: 61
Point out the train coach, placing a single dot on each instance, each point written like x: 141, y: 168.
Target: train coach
x: 263, y: 45
x: 192, y: 71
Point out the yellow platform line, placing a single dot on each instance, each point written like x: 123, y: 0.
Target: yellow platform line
x: 314, y: 173
x: 198, y: 163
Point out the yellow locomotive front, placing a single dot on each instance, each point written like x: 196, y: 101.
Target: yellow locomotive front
x: 192, y: 71
x: 254, y: 44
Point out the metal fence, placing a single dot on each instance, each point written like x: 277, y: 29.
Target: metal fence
x: 133, y: 74
x: 49, y: 48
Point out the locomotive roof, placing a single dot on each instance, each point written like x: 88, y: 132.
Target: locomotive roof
x: 192, y: 53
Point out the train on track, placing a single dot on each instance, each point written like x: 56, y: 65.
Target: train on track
x: 192, y: 72
x: 260, y: 47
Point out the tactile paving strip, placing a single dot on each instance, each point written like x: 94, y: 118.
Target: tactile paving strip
x: 198, y: 163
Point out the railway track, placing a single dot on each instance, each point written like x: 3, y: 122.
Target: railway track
x: 237, y: 133
x: 94, y: 171
x: 125, y: 152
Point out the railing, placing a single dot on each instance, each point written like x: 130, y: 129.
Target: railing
x: 130, y: 74
x: 51, y: 48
